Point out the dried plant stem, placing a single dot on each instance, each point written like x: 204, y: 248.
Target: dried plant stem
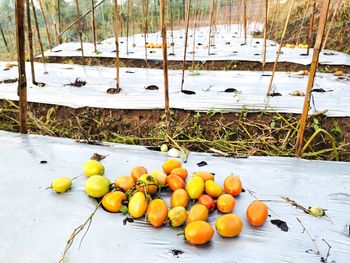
x: 307, y: 232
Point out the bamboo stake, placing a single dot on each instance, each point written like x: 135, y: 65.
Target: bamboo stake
x: 194, y: 38
x: 230, y: 14
x: 186, y: 38
x: 59, y: 20
x: 116, y: 33
x: 127, y: 27
x: 165, y: 64
x: 38, y: 33
x: 132, y: 22
x: 311, y: 27
x: 317, y: 49
x: 279, y: 48
x: 211, y: 24
x: 30, y: 42
x: 22, y: 81
x: 3, y: 37
x: 80, y: 18
x: 80, y: 31
x: 45, y: 22
x: 302, y: 23
x: 145, y: 15
x: 172, y: 27
x: 245, y: 21
x: 265, y: 35
x: 93, y: 25
x: 338, y: 4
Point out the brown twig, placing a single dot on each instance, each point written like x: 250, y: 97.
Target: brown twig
x: 307, y: 232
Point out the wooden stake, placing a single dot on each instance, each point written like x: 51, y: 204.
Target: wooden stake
x: 265, y: 35
x: 338, y: 4
x: 311, y: 27
x: 127, y: 27
x: 172, y: 26
x: 30, y: 42
x: 38, y: 32
x: 165, y: 64
x: 211, y: 24
x: 279, y: 48
x: 313, y: 68
x: 132, y: 22
x: 186, y: 38
x: 116, y: 33
x: 80, y: 31
x: 245, y: 21
x: 80, y: 18
x: 93, y: 25
x: 194, y: 38
x: 22, y: 81
x: 145, y: 15
x: 59, y: 20
x: 302, y: 23
x: 45, y: 22
x: 3, y: 37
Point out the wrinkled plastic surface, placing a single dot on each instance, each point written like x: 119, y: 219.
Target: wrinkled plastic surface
x: 227, y: 45
x: 35, y: 223
x: 210, y: 86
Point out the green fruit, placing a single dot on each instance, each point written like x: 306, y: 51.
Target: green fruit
x: 93, y: 167
x: 164, y: 148
x: 316, y: 211
x: 61, y: 185
x: 97, y: 186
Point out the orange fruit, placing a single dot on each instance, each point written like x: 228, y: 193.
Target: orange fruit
x: 113, y: 201
x: 160, y: 176
x: 137, y: 171
x: 175, y: 182
x: 199, y: 232
x: 179, y: 198
x: 226, y: 203
x: 212, y: 188
x: 204, y: 175
x: 339, y: 73
x: 170, y: 165
x: 233, y: 185
x: 124, y: 182
x: 181, y: 171
x: 195, y: 187
x: 207, y: 201
x: 157, y: 212
x: 197, y: 212
x: 257, y: 213
x: 229, y: 225
x: 147, y: 183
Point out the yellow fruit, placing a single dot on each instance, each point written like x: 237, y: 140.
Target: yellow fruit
x: 229, y: 225
x: 148, y: 183
x: 137, y: 205
x: 62, y: 184
x: 199, y: 232
x: 177, y: 216
x: 93, y: 167
x: 195, y: 187
x: 316, y: 211
x: 113, y: 201
x: 97, y: 186
x: 179, y: 198
x: 212, y: 188
x: 197, y: 212
x: 160, y: 177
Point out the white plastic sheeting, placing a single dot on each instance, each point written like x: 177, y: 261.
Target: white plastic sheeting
x: 35, y: 223
x: 209, y: 87
x: 229, y: 45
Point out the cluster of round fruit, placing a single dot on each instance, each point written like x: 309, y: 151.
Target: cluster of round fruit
x: 296, y: 46
x: 153, y: 45
x: 134, y: 194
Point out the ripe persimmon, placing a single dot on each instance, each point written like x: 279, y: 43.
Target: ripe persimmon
x: 229, y: 225
x: 157, y: 212
x: 257, y: 213
x: 179, y: 198
x: 233, y: 185
x: 207, y: 201
x: 197, y: 212
x: 226, y: 203
x: 199, y: 232
x: 137, y: 172
x: 212, y: 188
x: 112, y: 201
x: 170, y: 165
x: 175, y: 182
x: 181, y: 171
x: 124, y: 182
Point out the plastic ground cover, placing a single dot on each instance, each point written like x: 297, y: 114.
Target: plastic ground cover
x: 35, y: 223
x: 228, y: 44
x: 209, y: 86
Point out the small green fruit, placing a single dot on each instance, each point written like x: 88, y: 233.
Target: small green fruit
x: 61, y: 185
x: 97, y: 186
x: 316, y: 211
x: 164, y: 148
x: 93, y: 167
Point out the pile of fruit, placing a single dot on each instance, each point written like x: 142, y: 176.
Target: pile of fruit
x: 296, y: 46
x: 154, y: 45
x: 138, y: 195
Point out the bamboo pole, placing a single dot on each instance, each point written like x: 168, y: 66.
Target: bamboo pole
x: 338, y: 5
x: 132, y: 22
x: 38, y: 32
x: 30, y: 42
x: 211, y: 24
x: 59, y: 20
x: 80, y: 18
x: 317, y: 49
x: 186, y: 39
x: 80, y: 31
x: 311, y: 27
x: 279, y: 48
x: 45, y: 22
x: 165, y: 64
x: 127, y: 27
x: 172, y: 26
x: 194, y: 38
x: 3, y: 37
x: 245, y: 21
x: 302, y: 23
x: 265, y: 34
x: 93, y: 25
x: 22, y: 81
x: 145, y: 15
x: 116, y: 33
